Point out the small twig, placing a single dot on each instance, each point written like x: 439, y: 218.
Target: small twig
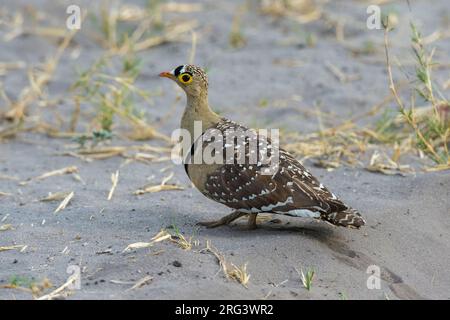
x: 114, y: 180
x: 141, y: 282
x: 18, y: 246
x: 65, y: 202
x: 66, y: 170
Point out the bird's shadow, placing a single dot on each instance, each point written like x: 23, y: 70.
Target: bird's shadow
x: 329, y: 236
x: 318, y: 231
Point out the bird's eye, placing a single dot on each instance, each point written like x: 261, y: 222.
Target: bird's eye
x: 185, y: 78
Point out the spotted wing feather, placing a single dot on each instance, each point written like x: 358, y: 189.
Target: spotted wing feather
x: 292, y: 190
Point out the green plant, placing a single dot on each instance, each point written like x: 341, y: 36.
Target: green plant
x: 112, y: 94
x: 307, y: 278
x: 343, y: 296
x: 96, y: 137
x: 385, y: 127
x: 181, y: 240
x: 431, y: 124
x: 19, y: 281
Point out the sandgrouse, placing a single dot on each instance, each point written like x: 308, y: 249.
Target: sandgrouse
x: 291, y: 190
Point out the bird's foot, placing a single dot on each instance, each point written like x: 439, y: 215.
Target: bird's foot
x: 212, y: 224
x: 251, y: 224
x: 221, y: 222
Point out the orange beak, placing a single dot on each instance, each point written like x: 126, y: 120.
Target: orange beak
x: 166, y: 75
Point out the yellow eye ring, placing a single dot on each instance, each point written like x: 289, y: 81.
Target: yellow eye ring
x: 185, y: 78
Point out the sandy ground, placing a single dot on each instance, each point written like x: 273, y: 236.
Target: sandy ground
x: 408, y: 222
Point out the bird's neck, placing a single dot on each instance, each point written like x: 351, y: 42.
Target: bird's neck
x: 197, y: 109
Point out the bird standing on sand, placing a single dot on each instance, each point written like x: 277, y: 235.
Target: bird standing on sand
x: 291, y: 190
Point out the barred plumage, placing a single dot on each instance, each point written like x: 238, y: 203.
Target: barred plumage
x: 291, y: 190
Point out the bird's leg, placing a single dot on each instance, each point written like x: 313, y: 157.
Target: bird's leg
x: 251, y: 224
x: 225, y: 220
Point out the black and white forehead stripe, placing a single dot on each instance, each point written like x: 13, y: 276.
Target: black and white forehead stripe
x: 192, y: 70
x: 178, y: 70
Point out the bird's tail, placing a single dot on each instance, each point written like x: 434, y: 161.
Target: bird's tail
x: 350, y: 218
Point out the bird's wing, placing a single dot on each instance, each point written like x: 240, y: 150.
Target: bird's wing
x: 291, y: 187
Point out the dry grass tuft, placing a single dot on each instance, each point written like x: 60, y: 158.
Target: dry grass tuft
x: 183, y: 242
x: 38, y: 81
x: 380, y: 162
x: 331, y: 147
x: 36, y: 289
x: 230, y: 270
x: 63, y: 290
x: 306, y: 278
x: 114, y: 95
x: 347, y: 143
x: 302, y: 11
x: 126, y: 28
x: 430, y: 126
x: 240, y: 274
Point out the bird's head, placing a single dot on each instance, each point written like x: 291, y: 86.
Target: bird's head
x: 190, y: 78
